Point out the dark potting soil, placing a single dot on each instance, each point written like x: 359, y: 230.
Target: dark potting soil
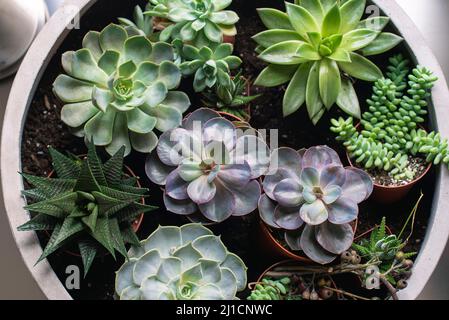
x: 417, y: 165
x: 44, y: 128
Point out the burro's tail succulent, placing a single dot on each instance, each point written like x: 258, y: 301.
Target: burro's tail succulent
x: 209, y: 168
x: 181, y: 263
x: 311, y: 196
x: 118, y: 89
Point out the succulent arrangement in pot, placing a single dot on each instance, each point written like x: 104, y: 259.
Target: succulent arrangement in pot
x: 390, y: 143
x: 169, y: 92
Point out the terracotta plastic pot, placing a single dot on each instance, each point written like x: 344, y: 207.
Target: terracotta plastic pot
x: 391, y: 194
x: 277, y: 250
x: 136, y: 224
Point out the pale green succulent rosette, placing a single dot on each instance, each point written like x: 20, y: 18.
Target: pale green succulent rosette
x: 118, y: 89
x: 198, y: 22
x: 317, y: 46
x: 181, y: 263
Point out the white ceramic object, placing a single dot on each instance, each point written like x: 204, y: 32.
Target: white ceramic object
x: 20, y: 22
x: 34, y: 66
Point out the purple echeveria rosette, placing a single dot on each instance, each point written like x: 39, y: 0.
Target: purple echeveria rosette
x: 209, y: 169
x: 311, y: 196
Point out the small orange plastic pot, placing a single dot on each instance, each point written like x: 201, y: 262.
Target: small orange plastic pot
x: 391, y: 194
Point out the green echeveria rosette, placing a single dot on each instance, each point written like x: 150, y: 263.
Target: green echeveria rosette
x: 314, y: 47
x: 209, y: 170
x: 197, y: 22
x: 181, y: 263
x: 118, y: 89
x: 311, y: 196
x: 210, y: 66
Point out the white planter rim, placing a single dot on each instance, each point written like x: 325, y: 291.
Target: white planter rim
x: 34, y: 66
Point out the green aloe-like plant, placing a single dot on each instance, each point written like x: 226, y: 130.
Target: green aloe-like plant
x: 119, y: 88
x: 317, y: 46
x: 181, y: 263
x: 198, y: 22
x: 233, y: 99
x: 210, y: 66
x: 89, y: 204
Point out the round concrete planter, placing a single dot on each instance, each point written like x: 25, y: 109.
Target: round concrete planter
x: 34, y: 65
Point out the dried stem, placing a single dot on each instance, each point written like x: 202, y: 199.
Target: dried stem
x: 348, y: 294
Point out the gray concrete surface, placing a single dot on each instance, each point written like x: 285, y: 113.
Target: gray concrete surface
x: 431, y: 16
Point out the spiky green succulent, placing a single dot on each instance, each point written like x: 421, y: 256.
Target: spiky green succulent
x: 390, y: 132
x: 233, y: 99
x: 89, y: 204
x: 211, y: 67
x: 197, y: 22
x: 316, y: 46
x: 118, y: 89
x: 181, y: 263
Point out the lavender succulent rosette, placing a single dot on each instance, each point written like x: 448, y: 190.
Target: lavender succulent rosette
x: 209, y: 171
x: 311, y: 196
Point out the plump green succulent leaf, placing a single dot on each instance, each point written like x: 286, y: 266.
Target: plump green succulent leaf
x: 332, y: 22
x: 40, y: 222
x: 295, y: 95
x: 383, y: 43
x: 275, y: 75
x: 358, y: 39
x: 329, y: 82
x: 361, y: 68
x: 284, y: 53
x: 347, y: 99
x: 274, y: 19
x: 270, y: 37
x: 301, y: 19
x: 351, y: 13
x: 374, y: 23
x: 315, y: 106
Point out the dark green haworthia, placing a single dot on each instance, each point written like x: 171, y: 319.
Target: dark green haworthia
x: 90, y: 204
